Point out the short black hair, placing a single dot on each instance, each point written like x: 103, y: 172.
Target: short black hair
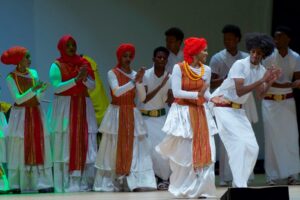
x: 176, y: 32
x: 284, y: 29
x: 261, y: 41
x: 230, y: 28
x: 161, y: 48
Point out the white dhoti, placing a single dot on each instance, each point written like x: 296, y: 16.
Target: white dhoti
x: 224, y: 169
x: 161, y: 165
x: 239, y: 140
x: 281, y: 139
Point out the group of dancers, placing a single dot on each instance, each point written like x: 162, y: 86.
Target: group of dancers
x: 145, y: 144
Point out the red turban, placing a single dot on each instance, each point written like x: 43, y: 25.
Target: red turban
x: 193, y: 46
x: 65, y: 58
x: 13, y: 55
x: 124, y: 48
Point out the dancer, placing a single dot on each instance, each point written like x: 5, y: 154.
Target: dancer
x: 235, y: 130
x: 29, y: 160
x: 72, y: 120
x: 124, y: 160
x: 189, y: 144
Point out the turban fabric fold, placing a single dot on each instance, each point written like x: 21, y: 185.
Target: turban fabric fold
x: 193, y: 46
x: 13, y: 55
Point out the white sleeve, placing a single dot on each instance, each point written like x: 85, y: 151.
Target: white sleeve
x: 18, y: 98
x: 141, y: 91
x: 297, y: 67
x: 38, y: 93
x: 55, y: 78
x: 207, y: 94
x: 89, y: 83
x: 176, y: 86
x: 114, y: 84
x: 237, y: 70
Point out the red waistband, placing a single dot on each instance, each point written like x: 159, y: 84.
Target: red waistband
x: 278, y: 97
x: 230, y: 105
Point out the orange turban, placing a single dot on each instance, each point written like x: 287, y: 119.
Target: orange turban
x: 13, y: 55
x: 124, y: 48
x: 193, y: 46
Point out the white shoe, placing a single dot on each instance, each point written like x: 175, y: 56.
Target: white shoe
x: 271, y: 182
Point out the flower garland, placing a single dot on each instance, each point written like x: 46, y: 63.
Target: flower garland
x: 191, y: 74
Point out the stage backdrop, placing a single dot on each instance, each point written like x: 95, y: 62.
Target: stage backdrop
x: 99, y: 26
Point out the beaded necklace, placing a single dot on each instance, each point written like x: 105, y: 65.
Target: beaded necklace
x: 191, y: 74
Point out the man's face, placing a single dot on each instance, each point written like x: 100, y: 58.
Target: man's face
x: 256, y: 55
x: 230, y: 41
x: 281, y: 40
x: 160, y: 60
x: 173, y: 44
x: 126, y: 58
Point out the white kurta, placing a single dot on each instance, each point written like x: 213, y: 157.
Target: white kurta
x: 234, y: 127
x: 21, y: 176
x: 3, y: 126
x: 280, y: 122
x: 141, y: 172
x: 154, y: 125
x: 185, y: 182
x: 220, y: 64
x: 174, y: 59
x: 59, y: 115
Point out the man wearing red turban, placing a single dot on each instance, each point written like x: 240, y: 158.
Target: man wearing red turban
x: 30, y: 167
x: 190, y: 127
x: 124, y: 157
x: 72, y: 119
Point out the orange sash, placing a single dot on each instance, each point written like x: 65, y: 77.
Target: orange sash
x: 78, y: 123
x: 126, y: 126
x: 33, y: 124
x: 201, y: 145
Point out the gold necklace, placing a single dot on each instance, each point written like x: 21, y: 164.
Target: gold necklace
x: 191, y: 74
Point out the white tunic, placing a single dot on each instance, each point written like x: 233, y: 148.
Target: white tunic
x: 141, y: 172
x: 234, y: 127
x: 185, y: 182
x: 154, y: 125
x: 3, y: 126
x: 222, y: 61
x: 280, y: 122
x: 220, y: 64
x: 174, y: 59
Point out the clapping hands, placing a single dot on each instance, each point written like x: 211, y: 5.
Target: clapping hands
x: 82, y: 74
x: 271, y: 75
x: 40, y: 85
x: 140, y: 74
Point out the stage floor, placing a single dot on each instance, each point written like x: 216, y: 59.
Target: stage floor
x: 294, y: 193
